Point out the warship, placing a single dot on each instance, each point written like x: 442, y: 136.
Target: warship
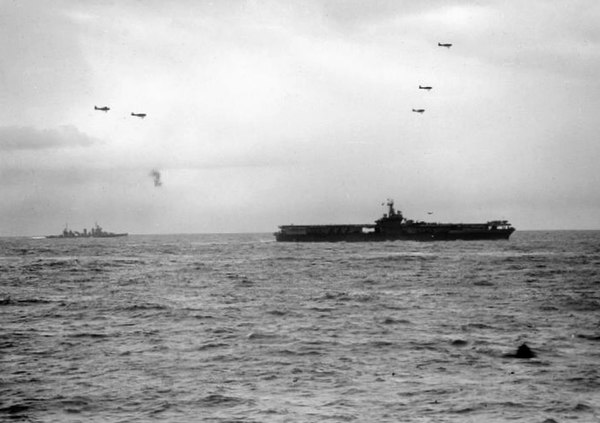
x: 95, y: 232
x: 394, y: 226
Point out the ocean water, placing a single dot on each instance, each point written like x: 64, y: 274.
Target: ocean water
x: 239, y: 328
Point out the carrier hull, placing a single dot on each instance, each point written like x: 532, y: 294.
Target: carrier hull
x: 437, y: 234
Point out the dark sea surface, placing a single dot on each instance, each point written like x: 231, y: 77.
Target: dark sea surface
x: 239, y: 328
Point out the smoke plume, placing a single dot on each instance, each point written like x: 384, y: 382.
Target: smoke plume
x: 156, y: 176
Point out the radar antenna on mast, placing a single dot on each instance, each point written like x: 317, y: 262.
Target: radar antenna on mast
x: 390, y: 204
x: 392, y: 212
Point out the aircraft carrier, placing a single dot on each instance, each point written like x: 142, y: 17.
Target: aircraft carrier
x: 393, y: 226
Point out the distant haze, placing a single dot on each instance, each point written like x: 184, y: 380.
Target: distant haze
x: 262, y: 113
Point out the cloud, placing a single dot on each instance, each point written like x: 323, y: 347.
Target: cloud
x: 14, y: 138
x: 42, y: 67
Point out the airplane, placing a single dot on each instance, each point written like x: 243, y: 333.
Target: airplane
x: 140, y: 115
x: 104, y: 109
x: 447, y: 45
x: 424, y: 88
x: 418, y: 110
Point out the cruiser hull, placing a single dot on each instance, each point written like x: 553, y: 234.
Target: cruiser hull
x: 87, y: 236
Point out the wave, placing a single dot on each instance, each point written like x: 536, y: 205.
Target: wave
x: 300, y: 352
x: 145, y: 306
x: 6, y: 301
x: 218, y: 400
x: 348, y: 296
x: 322, y: 309
x: 588, y: 337
x: 212, y: 345
x: 393, y: 321
x: 89, y: 335
x: 261, y: 335
x: 16, y: 411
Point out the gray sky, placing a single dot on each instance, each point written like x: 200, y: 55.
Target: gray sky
x: 262, y: 113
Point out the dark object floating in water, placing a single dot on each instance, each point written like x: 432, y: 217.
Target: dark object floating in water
x: 393, y: 226
x: 522, y: 352
x: 102, y: 109
x: 140, y: 115
x: 95, y: 232
x: 459, y: 342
